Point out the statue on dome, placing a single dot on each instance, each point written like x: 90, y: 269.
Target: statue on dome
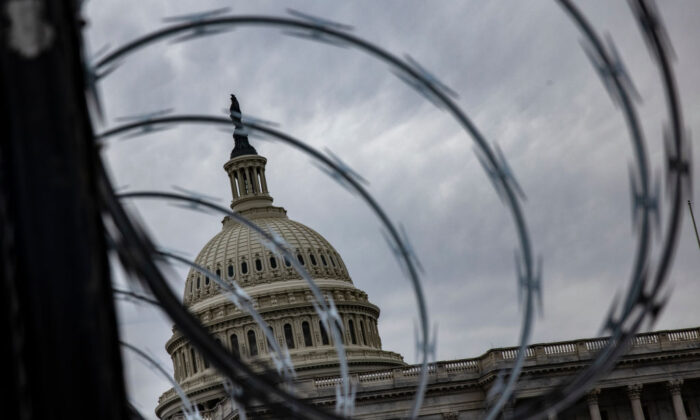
x: 240, y: 137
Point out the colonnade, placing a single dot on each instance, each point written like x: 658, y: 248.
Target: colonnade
x: 634, y: 394
x: 248, y: 180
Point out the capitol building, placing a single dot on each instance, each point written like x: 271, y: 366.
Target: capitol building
x: 658, y: 378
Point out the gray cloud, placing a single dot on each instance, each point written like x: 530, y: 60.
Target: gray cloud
x: 521, y: 76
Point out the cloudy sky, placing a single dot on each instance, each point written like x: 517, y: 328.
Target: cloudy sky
x: 523, y: 79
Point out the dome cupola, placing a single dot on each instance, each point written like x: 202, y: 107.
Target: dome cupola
x: 246, y: 169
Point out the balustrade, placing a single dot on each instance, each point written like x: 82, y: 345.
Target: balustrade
x: 494, y: 360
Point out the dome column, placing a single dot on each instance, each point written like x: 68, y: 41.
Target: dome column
x: 263, y: 180
x: 234, y: 186
x: 253, y: 180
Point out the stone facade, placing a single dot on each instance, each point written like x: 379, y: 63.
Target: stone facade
x: 658, y: 379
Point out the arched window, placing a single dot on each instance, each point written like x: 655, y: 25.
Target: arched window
x: 362, y: 333
x: 332, y: 260
x: 197, y: 282
x: 234, y: 345
x: 244, y: 267
x: 312, y: 258
x: 218, y: 272
x: 307, y: 334
x: 230, y: 270
x: 300, y: 258
x: 339, y: 326
x: 258, y: 264
x: 288, y: 336
x: 353, y: 337
x: 252, y: 343
x: 287, y: 262
x: 206, y: 280
x: 194, y: 361
x: 191, y: 285
x: 273, y: 262
x: 323, y: 260
x: 324, y: 334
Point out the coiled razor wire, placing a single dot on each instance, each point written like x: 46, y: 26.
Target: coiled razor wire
x: 135, y: 251
x: 189, y: 410
x: 432, y: 89
x: 324, y: 306
x: 327, y: 312
x: 240, y: 299
x: 643, y: 300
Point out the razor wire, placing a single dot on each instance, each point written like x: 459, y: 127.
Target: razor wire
x: 645, y: 299
x: 128, y: 295
x: 135, y: 249
x: 232, y: 390
x: 339, y: 172
x: 324, y: 306
x: 241, y: 300
x: 189, y: 410
x: 641, y: 302
x: 329, y: 163
x: 428, y: 86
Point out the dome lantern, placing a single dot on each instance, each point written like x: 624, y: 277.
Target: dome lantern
x: 246, y: 169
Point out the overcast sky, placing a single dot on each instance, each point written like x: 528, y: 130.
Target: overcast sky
x: 523, y: 79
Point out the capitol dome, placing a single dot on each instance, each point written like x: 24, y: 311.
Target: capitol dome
x: 237, y: 254
x: 279, y: 294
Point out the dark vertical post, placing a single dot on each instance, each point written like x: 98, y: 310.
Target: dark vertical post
x: 59, y: 343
